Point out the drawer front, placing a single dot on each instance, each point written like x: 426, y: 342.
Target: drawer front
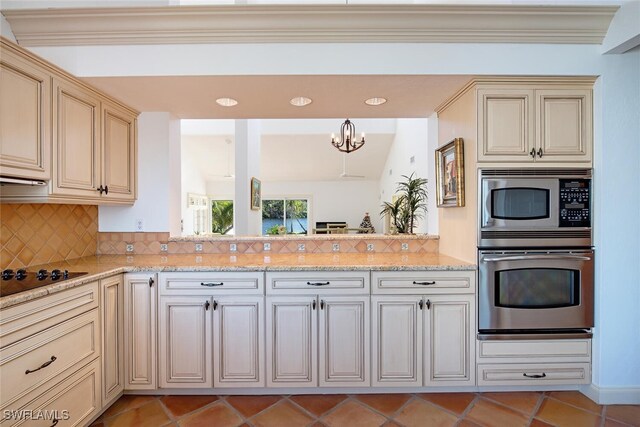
x: 534, y: 374
x: 73, y: 401
x: 420, y: 282
x: 30, y: 362
x: 218, y: 283
x: 525, y: 351
x: 318, y: 282
x: 23, y: 320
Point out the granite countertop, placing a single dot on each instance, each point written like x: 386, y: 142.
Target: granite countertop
x: 302, y: 237
x: 99, y: 267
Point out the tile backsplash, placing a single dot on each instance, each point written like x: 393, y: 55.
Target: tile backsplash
x: 34, y: 234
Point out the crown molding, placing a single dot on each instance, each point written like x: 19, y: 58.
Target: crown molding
x: 312, y: 24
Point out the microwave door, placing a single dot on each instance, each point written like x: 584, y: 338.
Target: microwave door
x: 519, y: 203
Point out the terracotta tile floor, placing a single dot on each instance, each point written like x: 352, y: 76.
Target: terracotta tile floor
x: 507, y: 409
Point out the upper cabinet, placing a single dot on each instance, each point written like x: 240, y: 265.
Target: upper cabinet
x: 541, y: 123
x: 25, y: 118
x: 56, y: 128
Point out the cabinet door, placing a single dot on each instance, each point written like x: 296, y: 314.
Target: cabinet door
x: 112, y: 309
x: 185, y: 342
x: 344, y: 341
x: 25, y: 118
x: 140, y: 301
x: 397, y: 341
x: 563, y: 119
x: 505, y: 125
x: 118, y: 153
x: 238, y: 336
x: 449, y: 352
x: 292, y: 340
x: 76, y: 124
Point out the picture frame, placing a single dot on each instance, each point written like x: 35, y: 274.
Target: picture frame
x: 256, y: 194
x: 450, y: 174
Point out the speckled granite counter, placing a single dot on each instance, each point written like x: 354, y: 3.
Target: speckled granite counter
x: 99, y: 267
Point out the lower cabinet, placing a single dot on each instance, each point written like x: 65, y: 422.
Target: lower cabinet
x: 209, y: 341
x: 423, y: 340
x: 112, y: 316
x: 318, y: 341
x: 140, y: 305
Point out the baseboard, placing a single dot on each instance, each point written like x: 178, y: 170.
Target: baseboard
x: 612, y: 395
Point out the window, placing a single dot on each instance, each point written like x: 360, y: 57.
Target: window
x: 285, y: 215
x: 222, y: 216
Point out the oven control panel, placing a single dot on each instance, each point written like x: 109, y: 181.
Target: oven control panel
x: 575, y: 203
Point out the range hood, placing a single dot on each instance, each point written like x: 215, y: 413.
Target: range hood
x: 21, y: 181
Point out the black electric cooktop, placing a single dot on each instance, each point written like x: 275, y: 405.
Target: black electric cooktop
x: 21, y: 280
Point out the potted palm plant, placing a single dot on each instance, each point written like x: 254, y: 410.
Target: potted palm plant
x: 410, y: 206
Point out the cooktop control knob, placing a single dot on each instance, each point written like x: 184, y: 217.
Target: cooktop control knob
x: 56, y: 274
x: 65, y: 274
x: 7, y: 274
x: 21, y: 274
x: 42, y: 274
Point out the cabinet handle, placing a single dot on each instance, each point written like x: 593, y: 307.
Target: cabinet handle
x: 151, y: 281
x: 100, y: 189
x: 215, y: 304
x: 211, y: 284
x: 106, y: 189
x: 421, y: 304
x: 44, y: 365
x: 535, y: 375
x: 428, y: 304
x: 206, y: 305
x: 321, y: 304
x: 532, y: 153
x: 424, y: 283
x: 540, y: 152
x: 318, y: 283
x: 313, y: 305
x: 55, y: 422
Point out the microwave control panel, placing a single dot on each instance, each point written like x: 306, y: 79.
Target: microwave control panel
x: 575, y: 203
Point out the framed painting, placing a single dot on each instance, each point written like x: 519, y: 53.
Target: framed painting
x: 450, y: 174
x: 256, y: 194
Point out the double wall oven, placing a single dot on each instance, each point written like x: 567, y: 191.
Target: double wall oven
x: 535, y: 253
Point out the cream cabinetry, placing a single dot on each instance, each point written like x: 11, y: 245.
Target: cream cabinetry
x: 25, y: 117
x: 318, y: 329
x: 112, y: 317
x: 140, y: 328
x: 542, y: 123
x: 423, y: 333
x: 53, y: 126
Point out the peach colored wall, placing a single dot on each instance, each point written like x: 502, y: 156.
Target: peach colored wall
x: 458, y: 226
x: 34, y: 234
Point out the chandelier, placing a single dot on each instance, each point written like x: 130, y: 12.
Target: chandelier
x: 346, y: 142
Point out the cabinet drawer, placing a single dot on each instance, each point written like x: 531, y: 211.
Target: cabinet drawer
x: 205, y: 283
x: 22, y: 320
x: 27, y: 364
x: 530, y: 374
x: 526, y: 351
x: 419, y: 282
x: 318, y: 282
x: 73, y: 400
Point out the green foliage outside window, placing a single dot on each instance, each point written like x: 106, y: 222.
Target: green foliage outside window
x: 221, y: 216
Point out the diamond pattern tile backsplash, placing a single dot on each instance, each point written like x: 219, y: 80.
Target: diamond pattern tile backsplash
x: 34, y: 234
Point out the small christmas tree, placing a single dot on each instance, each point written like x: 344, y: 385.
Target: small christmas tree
x: 365, y: 225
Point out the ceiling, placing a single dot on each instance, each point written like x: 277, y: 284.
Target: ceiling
x: 288, y: 157
x: 193, y: 97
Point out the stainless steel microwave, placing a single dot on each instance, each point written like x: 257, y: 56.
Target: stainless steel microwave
x: 534, y: 208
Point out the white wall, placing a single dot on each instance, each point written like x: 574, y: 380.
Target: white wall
x: 5, y: 29
x: 410, y: 141
x: 345, y: 200
x: 156, y: 184
x: 193, y: 179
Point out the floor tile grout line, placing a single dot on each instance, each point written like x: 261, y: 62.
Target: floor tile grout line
x: 167, y: 411
x: 447, y: 409
x: 536, y: 408
x: 389, y: 417
x: 574, y: 406
x: 195, y: 411
x: 335, y: 408
x: 510, y: 407
x: 306, y: 411
x: 470, y: 407
x: 247, y: 419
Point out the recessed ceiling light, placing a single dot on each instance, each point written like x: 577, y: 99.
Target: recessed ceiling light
x: 300, y: 101
x: 375, y: 101
x: 227, y: 102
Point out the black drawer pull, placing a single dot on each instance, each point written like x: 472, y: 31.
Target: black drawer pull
x: 318, y: 283
x: 44, y: 365
x: 535, y: 375
x: 424, y: 283
x: 211, y: 284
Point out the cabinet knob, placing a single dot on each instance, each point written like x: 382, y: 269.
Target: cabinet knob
x: 151, y: 282
x: 106, y: 189
x: 100, y: 189
x: 421, y: 304
x: 206, y: 305
x: 321, y: 304
x: 532, y: 153
x: 540, y: 152
x: 428, y: 304
x: 313, y: 305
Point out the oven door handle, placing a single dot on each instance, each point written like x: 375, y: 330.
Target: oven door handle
x: 537, y: 257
